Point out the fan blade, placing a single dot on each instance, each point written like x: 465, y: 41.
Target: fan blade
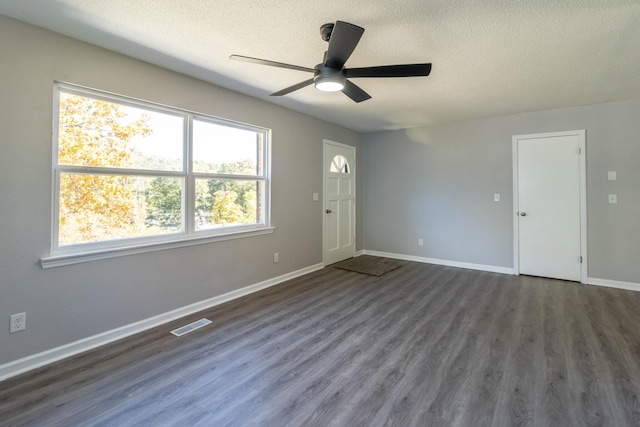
x: 344, y: 39
x: 270, y: 63
x: 292, y: 88
x: 407, y: 70
x: 354, y: 92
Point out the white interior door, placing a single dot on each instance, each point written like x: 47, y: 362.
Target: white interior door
x: 549, y: 198
x: 339, y: 202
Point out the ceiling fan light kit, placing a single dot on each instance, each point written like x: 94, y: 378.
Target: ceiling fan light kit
x: 331, y: 75
x: 328, y: 80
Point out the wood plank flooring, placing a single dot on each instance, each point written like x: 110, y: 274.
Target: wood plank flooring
x: 423, y: 345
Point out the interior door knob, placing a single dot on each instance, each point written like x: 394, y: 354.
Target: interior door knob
x: 523, y: 214
x: 328, y: 211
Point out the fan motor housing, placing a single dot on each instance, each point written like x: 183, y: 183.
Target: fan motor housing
x: 322, y: 69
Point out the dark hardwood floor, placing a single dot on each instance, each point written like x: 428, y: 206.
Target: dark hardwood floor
x: 422, y: 345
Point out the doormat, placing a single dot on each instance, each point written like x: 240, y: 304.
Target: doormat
x: 366, y: 264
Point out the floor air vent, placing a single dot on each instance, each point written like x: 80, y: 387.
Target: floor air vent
x: 190, y: 327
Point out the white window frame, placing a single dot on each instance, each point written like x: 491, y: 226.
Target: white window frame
x: 76, y: 253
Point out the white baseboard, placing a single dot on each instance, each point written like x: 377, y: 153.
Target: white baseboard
x: 28, y: 363
x: 614, y: 284
x: 490, y: 268
x: 630, y: 286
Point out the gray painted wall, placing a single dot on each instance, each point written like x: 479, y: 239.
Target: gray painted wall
x: 437, y: 183
x: 66, y: 304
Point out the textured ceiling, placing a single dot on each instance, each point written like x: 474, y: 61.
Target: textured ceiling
x: 490, y: 57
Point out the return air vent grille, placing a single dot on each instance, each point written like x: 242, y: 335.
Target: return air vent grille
x: 190, y: 327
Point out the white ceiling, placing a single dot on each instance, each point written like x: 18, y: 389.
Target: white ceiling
x: 490, y: 57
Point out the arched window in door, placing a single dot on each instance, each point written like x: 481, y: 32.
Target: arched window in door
x: 339, y: 164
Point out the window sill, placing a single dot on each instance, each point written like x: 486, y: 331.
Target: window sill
x: 77, y: 258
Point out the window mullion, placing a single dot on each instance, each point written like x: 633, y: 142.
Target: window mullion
x: 189, y: 195
x: 228, y: 177
x: 98, y: 170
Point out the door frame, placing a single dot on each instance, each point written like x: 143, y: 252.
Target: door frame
x: 583, y: 196
x: 325, y: 168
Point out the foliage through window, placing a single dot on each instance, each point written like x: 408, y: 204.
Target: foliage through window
x: 128, y: 169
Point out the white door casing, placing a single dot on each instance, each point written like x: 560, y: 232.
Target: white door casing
x: 550, y: 205
x: 339, y: 176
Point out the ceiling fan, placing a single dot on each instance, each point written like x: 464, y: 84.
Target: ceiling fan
x: 331, y: 75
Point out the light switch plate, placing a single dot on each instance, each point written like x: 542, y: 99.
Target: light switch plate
x: 496, y: 197
x: 612, y: 175
x: 613, y: 199
x: 315, y: 197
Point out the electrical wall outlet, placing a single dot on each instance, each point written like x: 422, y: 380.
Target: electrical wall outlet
x: 276, y: 257
x: 420, y: 242
x: 18, y: 322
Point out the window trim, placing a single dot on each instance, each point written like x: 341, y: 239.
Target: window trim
x: 189, y: 235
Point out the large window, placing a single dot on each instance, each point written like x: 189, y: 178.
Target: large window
x: 128, y: 172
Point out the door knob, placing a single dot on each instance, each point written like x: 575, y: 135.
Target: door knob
x: 523, y: 214
x: 328, y: 211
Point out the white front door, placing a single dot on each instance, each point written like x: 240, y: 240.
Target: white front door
x: 549, y: 199
x: 339, y: 202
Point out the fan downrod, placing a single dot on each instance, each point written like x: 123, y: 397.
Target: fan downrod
x: 326, y: 30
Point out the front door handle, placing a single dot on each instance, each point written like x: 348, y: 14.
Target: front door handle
x: 328, y: 211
